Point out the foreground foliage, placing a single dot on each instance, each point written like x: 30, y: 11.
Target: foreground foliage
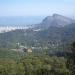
x: 31, y: 65
x: 71, y: 59
x: 16, y: 63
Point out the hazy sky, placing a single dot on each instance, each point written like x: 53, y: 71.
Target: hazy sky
x: 36, y: 7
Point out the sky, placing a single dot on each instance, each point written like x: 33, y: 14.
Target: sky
x: 36, y: 7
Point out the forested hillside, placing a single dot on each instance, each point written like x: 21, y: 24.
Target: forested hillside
x: 44, y: 51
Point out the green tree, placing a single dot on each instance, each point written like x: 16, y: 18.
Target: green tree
x: 71, y: 59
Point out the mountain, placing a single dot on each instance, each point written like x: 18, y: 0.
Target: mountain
x: 53, y: 37
x: 55, y: 20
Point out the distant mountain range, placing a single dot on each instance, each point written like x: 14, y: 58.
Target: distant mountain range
x: 53, y: 32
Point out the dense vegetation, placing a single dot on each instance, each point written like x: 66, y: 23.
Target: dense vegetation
x: 71, y: 59
x: 31, y: 65
x: 18, y: 63
x: 46, y: 59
